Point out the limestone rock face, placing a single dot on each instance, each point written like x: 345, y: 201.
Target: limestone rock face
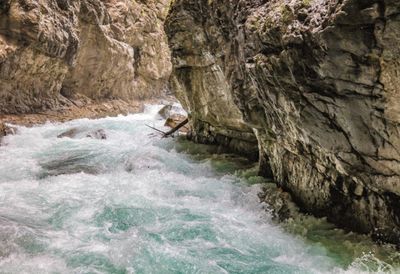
x: 316, y: 82
x: 52, y: 50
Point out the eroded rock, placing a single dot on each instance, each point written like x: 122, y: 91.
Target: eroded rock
x: 52, y: 51
x: 314, y: 84
x: 279, y: 202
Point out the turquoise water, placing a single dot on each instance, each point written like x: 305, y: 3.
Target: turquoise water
x: 134, y: 203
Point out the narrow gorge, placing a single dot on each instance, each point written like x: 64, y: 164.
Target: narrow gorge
x: 314, y: 84
x: 290, y: 163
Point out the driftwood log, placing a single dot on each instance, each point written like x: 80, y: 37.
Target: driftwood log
x: 173, y: 130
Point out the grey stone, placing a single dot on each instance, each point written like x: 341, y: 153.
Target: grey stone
x: 314, y: 83
x: 99, y: 134
x: 71, y: 133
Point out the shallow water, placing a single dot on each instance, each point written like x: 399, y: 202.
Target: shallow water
x: 139, y: 204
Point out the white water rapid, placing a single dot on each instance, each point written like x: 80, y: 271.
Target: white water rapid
x: 132, y: 203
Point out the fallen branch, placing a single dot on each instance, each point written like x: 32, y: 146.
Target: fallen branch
x: 173, y: 130
x: 156, y: 129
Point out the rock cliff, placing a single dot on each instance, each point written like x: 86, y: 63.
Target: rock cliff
x: 315, y: 83
x: 53, y: 51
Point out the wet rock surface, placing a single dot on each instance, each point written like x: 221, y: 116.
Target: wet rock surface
x: 99, y: 134
x: 71, y: 133
x: 279, y: 202
x: 176, y: 119
x: 53, y: 53
x: 6, y: 130
x: 69, y: 163
x: 165, y: 112
x: 313, y: 85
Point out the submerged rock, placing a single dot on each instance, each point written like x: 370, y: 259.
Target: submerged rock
x: 74, y: 132
x: 97, y: 134
x: 71, y: 133
x: 69, y: 163
x: 313, y: 85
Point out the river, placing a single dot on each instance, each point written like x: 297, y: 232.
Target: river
x: 136, y: 203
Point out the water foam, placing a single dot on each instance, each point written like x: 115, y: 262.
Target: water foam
x: 135, y: 204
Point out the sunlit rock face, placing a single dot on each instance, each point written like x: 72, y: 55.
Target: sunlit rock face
x: 318, y: 84
x: 50, y: 51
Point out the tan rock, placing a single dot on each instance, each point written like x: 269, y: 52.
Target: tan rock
x: 52, y: 50
x: 174, y: 120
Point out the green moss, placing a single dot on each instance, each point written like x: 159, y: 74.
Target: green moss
x: 286, y: 14
x: 284, y: 17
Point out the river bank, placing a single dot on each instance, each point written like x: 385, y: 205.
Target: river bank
x: 80, y: 108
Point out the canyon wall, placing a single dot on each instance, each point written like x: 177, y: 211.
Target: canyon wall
x: 55, y: 52
x: 315, y: 83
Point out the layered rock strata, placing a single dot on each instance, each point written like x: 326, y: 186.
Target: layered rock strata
x: 316, y: 83
x: 53, y: 50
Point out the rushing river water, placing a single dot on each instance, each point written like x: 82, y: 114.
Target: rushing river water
x: 139, y: 204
